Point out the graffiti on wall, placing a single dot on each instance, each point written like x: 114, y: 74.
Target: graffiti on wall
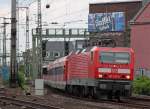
x: 106, y: 22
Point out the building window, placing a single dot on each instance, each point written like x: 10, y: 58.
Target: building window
x: 79, y: 46
x: 47, y: 54
x: 51, y: 54
x: 56, y: 54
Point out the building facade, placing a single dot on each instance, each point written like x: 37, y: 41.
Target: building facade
x: 127, y: 9
x: 56, y: 49
x: 140, y: 39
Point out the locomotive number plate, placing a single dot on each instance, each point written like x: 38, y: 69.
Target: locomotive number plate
x: 114, y: 70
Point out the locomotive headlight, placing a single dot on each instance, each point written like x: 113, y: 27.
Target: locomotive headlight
x: 104, y: 70
x: 100, y: 76
x: 124, y: 71
x: 128, y: 76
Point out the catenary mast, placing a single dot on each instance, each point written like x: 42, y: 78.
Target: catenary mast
x: 13, y: 66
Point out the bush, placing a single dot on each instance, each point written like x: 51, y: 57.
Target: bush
x: 21, y: 77
x: 141, y: 85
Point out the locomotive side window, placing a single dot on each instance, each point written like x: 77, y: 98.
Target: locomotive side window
x: 92, y: 56
x: 115, y: 57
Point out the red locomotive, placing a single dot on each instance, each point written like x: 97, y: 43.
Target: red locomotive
x: 95, y: 72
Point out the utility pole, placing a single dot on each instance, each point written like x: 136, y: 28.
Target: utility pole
x: 39, y: 41
x: 18, y: 30
x: 1, y: 63
x: 27, y: 68
x: 27, y: 29
x: 4, y: 42
x: 13, y: 66
x: 27, y: 54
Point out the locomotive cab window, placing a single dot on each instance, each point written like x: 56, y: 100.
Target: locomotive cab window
x: 92, y: 56
x: 115, y: 57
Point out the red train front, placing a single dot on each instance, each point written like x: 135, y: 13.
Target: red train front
x: 99, y: 71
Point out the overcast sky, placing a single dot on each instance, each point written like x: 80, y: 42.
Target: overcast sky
x: 4, y: 7
x: 68, y: 13
x: 5, y: 4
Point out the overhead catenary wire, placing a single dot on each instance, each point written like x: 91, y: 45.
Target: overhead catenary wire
x: 70, y: 14
x: 58, y: 17
x: 33, y: 1
x: 29, y: 2
x: 52, y: 10
x: 73, y: 13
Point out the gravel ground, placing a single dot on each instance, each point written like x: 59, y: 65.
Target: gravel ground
x: 10, y: 106
x: 59, y: 100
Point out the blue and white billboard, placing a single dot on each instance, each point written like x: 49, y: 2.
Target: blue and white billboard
x: 106, y: 22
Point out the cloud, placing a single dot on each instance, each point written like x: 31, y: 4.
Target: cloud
x: 5, y: 9
x: 4, y: 12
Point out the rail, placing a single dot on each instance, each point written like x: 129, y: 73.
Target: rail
x: 28, y: 104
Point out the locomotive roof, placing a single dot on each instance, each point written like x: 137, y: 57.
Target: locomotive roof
x: 60, y: 59
x: 88, y: 49
x: 93, y: 48
x: 111, y: 48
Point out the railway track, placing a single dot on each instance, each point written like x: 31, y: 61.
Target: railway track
x: 127, y: 103
x: 26, y: 104
x: 132, y: 102
x: 32, y: 105
x: 141, y: 98
x: 139, y: 102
